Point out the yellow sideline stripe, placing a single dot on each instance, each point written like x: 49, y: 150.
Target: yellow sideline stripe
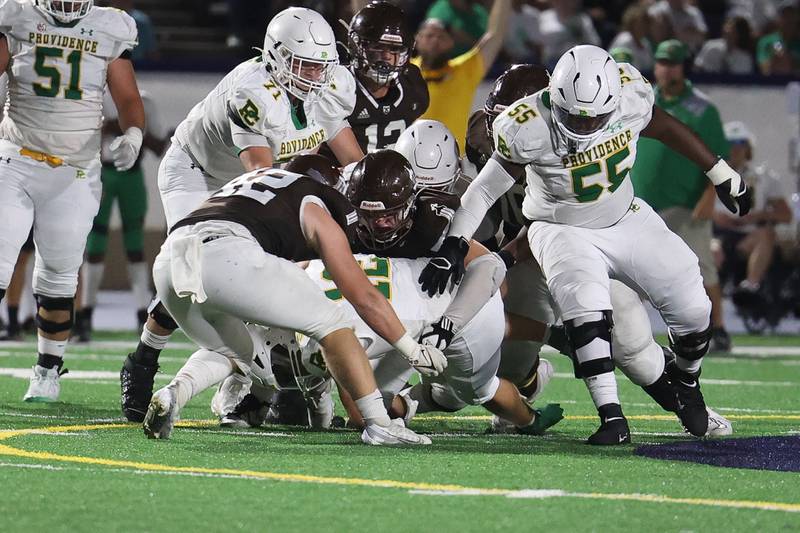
x: 428, y: 488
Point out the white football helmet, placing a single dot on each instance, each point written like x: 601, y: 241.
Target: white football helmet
x: 585, y: 90
x: 65, y: 10
x: 300, y: 52
x: 433, y: 153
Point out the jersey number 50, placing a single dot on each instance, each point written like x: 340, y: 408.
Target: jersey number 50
x: 44, y: 69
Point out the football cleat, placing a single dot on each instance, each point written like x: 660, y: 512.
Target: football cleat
x: 545, y: 418
x: 161, y: 415
x: 229, y: 393
x: 691, y: 405
x: 136, y: 383
x: 45, y: 386
x: 411, y: 406
x: 718, y: 425
x: 613, y: 428
x: 395, y: 434
x: 248, y: 413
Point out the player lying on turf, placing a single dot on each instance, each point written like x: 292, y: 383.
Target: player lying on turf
x: 430, y: 149
x: 471, y: 345
x: 575, y: 143
x: 231, y: 261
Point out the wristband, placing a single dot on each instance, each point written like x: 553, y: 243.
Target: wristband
x: 405, y: 345
x: 720, y: 172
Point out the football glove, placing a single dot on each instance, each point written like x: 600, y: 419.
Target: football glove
x: 447, y: 265
x: 439, y: 334
x: 125, y: 148
x: 425, y: 358
x: 731, y: 188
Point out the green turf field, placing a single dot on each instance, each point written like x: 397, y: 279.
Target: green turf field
x: 75, y: 466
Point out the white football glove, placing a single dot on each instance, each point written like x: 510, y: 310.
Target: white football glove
x: 125, y: 148
x: 731, y: 188
x: 426, y: 359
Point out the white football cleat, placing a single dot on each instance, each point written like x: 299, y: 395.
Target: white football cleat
x: 161, y: 415
x: 395, y: 434
x: 718, y: 425
x: 229, y: 393
x: 45, y: 386
x: 411, y: 406
x: 544, y: 375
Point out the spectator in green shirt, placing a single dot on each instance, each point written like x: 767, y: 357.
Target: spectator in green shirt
x: 779, y: 52
x: 466, y: 20
x: 676, y: 187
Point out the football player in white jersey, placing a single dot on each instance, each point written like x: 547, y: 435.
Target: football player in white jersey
x: 59, y: 56
x: 472, y: 347
x: 286, y: 102
x: 577, y: 142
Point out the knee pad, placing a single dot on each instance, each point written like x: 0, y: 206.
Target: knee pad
x: 580, y: 336
x: 692, y: 346
x: 159, y: 313
x: 55, y: 304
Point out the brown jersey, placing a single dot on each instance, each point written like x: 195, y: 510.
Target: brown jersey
x: 508, y: 208
x: 378, y: 123
x: 433, y: 212
x: 268, y: 202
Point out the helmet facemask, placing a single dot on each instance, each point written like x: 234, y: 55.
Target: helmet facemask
x: 373, y: 59
x: 379, y: 227
x: 580, y: 129
x: 302, y: 77
x: 65, y: 11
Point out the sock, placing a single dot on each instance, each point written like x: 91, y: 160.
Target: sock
x: 203, y: 370
x: 149, y: 347
x: 687, y: 365
x: 51, y: 352
x: 13, y: 319
x: 372, y: 409
x: 92, y: 276
x: 140, y: 283
x: 603, y: 388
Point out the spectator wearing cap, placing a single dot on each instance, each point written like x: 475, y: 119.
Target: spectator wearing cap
x: 621, y: 54
x: 467, y: 21
x: 778, y: 53
x: 732, y: 53
x: 635, y: 29
x: 564, y: 26
x: 751, y: 237
x: 686, y: 20
x: 452, y: 82
x: 677, y: 188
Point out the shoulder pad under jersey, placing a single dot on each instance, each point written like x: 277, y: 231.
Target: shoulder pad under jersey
x: 521, y: 132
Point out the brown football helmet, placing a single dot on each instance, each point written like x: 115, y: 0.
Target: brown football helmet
x: 377, y: 31
x: 517, y: 82
x: 317, y: 167
x: 382, y: 191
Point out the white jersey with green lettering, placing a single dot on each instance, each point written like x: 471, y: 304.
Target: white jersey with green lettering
x: 589, y: 188
x: 396, y: 279
x: 248, y: 108
x: 57, y: 76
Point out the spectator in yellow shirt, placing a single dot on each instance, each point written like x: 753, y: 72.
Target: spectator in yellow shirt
x: 452, y: 83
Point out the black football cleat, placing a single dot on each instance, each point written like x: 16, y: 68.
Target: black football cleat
x: 691, y: 405
x: 613, y: 429
x: 136, y: 382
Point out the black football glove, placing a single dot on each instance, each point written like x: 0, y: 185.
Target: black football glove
x: 439, y: 334
x: 731, y: 188
x: 446, y: 265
